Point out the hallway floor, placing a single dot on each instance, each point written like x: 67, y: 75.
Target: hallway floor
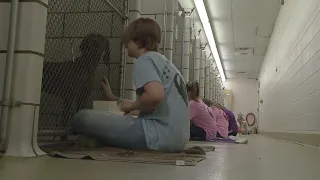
x: 262, y: 159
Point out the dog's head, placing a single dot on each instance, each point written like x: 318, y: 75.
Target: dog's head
x: 95, y: 47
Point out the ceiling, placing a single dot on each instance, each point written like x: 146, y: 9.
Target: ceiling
x: 239, y: 24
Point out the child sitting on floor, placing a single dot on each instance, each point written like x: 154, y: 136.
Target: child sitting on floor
x: 203, y: 124
x: 221, y: 119
x: 163, y: 123
x: 243, y: 125
x: 233, y: 127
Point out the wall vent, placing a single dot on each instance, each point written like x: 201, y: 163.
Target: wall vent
x: 241, y: 72
x: 252, y: 78
x: 243, y: 51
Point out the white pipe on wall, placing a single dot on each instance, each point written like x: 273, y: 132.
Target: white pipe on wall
x: 197, y: 60
x: 217, y: 87
x: 218, y: 84
x: 177, y: 58
x: 170, y: 5
x: 192, y: 60
x: 207, y: 80
x: 214, y: 85
x: 186, y: 48
x: 202, y: 73
x: 211, y: 83
x: 6, y: 101
x: 134, y: 10
x: 220, y: 93
x: 164, y: 34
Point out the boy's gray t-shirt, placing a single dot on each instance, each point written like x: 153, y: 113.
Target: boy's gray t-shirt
x: 167, y: 127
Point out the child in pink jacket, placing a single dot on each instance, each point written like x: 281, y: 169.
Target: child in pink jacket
x: 221, y: 119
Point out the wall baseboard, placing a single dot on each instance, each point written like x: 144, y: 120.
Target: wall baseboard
x: 300, y: 138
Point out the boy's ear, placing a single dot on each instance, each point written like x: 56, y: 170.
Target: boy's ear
x: 139, y: 45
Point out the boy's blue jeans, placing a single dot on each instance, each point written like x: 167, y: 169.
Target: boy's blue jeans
x: 109, y: 129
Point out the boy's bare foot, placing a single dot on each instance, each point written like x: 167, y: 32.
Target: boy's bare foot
x: 107, y: 89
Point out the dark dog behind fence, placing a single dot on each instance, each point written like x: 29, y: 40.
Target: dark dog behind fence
x: 73, y: 81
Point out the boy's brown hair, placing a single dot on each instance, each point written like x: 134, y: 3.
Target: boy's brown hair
x: 145, y: 32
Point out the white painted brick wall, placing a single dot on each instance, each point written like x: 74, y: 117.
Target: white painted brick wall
x: 290, y: 76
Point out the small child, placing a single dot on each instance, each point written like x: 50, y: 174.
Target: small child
x: 243, y: 125
x: 163, y: 122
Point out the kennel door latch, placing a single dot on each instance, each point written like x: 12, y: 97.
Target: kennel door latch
x: 10, y: 103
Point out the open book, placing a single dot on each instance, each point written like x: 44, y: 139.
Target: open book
x: 107, y: 106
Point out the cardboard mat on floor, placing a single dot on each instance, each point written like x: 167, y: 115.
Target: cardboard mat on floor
x: 190, y: 157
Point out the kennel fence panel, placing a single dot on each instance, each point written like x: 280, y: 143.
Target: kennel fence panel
x: 83, y: 45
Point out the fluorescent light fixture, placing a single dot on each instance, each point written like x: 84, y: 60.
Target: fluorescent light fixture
x: 210, y: 38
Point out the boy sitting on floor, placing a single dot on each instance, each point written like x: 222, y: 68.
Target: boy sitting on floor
x: 163, y: 123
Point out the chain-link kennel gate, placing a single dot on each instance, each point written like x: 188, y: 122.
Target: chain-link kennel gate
x: 83, y: 44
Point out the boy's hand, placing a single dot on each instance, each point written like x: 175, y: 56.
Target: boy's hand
x: 126, y: 105
x: 133, y: 113
x: 107, y: 89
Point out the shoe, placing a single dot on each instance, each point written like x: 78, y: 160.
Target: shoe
x: 239, y: 140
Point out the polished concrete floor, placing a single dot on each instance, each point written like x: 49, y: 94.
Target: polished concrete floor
x: 262, y: 159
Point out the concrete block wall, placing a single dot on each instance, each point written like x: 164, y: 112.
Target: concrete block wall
x: 289, y: 77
